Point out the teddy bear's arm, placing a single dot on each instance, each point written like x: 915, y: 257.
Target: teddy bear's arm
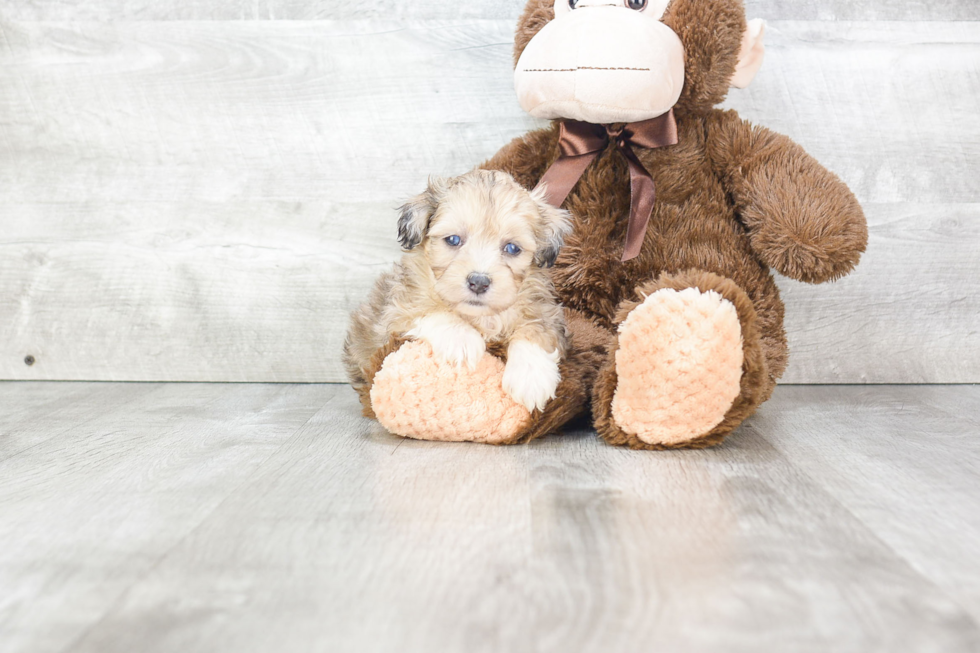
x: 802, y: 219
x: 527, y: 157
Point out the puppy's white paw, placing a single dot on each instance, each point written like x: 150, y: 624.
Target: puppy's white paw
x: 531, y: 375
x: 461, y: 345
x: 451, y: 340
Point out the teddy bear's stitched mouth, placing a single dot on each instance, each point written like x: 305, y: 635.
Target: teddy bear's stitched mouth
x: 572, y: 70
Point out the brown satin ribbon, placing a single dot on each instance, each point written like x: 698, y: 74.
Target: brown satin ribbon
x: 581, y: 142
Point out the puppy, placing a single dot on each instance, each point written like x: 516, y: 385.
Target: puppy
x: 474, y: 273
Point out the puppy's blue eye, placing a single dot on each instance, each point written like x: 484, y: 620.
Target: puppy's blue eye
x: 453, y: 241
x: 512, y: 249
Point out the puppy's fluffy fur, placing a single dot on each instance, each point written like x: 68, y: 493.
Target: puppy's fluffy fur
x: 474, y: 273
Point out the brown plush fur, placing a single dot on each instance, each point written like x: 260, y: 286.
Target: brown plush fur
x: 756, y: 386
x: 363, y: 377
x: 711, y: 31
x: 733, y: 201
x: 592, y: 345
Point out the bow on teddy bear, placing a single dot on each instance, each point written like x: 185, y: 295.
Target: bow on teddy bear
x: 676, y: 345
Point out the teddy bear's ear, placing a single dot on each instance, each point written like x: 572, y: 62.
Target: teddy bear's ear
x: 751, y: 54
x: 555, y: 224
x: 415, y: 215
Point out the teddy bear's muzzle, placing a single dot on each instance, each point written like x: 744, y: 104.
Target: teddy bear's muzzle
x: 601, y: 65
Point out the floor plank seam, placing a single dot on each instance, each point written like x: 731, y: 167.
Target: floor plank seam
x: 73, y: 427
x: 903, y: 558
x: 80, y: 639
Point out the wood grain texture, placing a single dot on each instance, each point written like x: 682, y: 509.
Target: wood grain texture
x: 90, y: 509
x: 208, y: 291
x: 922, y: 446
x: 207, y: 200
x: 68, y: 10
x: 906, y: 315
x: 253, y: 518
x: 52, y: 413
x: 877, y: 10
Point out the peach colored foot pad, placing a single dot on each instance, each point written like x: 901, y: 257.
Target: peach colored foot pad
x: 416, y: 396
x: 679, y: 366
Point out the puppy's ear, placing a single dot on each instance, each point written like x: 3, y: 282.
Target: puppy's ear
x: 553, y: 226
x: 415, y: 215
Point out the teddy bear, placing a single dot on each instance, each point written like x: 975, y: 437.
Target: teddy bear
x: 681, y: 211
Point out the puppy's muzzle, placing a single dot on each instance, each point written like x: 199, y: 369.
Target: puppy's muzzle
x: 477, y: 283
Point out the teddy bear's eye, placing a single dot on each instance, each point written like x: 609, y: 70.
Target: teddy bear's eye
x: 512, y: 249
x: 572, y: 4
x: 637, y: 5
x: 453, y: 241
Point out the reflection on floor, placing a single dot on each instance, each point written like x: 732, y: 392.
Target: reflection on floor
x: 174, y: 517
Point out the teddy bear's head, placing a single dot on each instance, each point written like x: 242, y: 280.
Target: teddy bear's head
x: 608, y: 61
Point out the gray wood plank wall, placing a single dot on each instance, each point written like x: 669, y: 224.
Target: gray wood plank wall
x: 187, y: 195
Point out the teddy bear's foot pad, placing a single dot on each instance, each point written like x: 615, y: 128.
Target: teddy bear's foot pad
x: 417, y: 396
x: 679, y: 366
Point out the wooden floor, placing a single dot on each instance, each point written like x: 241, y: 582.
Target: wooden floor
x: 212, y: 518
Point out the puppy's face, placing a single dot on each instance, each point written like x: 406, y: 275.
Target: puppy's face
x: 481, y: 235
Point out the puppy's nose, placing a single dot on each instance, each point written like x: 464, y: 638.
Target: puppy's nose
x: 478, y: 283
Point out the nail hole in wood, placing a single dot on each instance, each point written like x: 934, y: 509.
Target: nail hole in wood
x: 29, y: 360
